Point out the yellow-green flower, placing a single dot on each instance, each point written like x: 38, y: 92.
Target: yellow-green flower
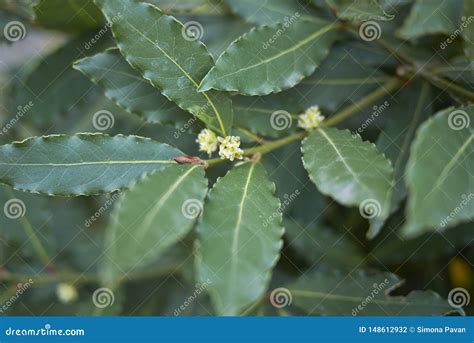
x: 311, y: 118
x: 207, y: 141
x: 66, y: 293
x: 230, y: 148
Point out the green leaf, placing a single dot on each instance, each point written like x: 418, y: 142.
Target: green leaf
x: 349, y: 170
x: 412, y: 107
x: 77, y: 15
x: 431, y: 17
x: 128, y: 89
x: 362, y: 293
x: 82, y: 164
x: 269, y: 12
x: 272, y: 58
x: 239, y: 238
x: 360, y: 10
x: 165, y: 59
x: 439, y: 172
x: 156, y: 212
x: 468, y: 29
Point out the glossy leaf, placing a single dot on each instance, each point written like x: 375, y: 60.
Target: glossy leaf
x: 257, y: 63
x: 155, y: 213
x: 362, y: 293
x: 128, y: 89
x: 468, y: 30
x: 431, y: 17
x: 239, y: 238
x: 270, y: 12
x: 165, y: 59
x: 80, y: 164
x: 439, y: 172
x: 360, y: 10
x: 349, y: 170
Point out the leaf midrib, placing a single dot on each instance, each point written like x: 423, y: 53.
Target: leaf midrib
x: 343, y: 160
x: 238, y: 224
x: 151, y: 215
x: 75, y: 164
x: 282, y: 53
x: 444, y: 174
x: 188, y: 76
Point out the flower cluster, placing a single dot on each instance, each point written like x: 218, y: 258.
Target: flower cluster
x: 229, y: 147
x: 311, y: 118
x: 207, y: 141
x: 66, y: 293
